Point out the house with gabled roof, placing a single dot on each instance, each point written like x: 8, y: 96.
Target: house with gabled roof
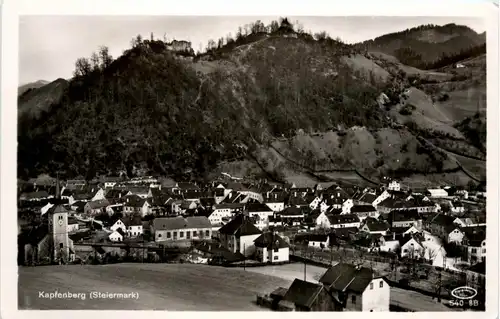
x: 261, y: 213
x: 270, y: 247
x: 412, y: 247
x: 224, y: 210
x: 96, y: 207
x: 364, y: 211
x: 133, y: 225
x: 438, y: 224
x: 292, y: 215
x: 344, y: 221
x: 405, y: 218
x: 307, y: 296
x: 239, y: 235
x: 275, y: 200
x: 134, y: 204
x: 116, y: 193
x: 475, y: 241
x: 318, y: 240
x: 375, y: 227
x: 356, y: 288
x: 117, y: 235
x: 367, y: 198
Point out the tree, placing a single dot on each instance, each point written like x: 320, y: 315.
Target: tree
x: 321, y: 36
x: 105, y: 57
x: 94, y: 59
x: 273, y: 26
x: 82, y: 67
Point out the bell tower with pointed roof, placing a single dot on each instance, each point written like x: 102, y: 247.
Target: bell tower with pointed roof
x: 58, y: 229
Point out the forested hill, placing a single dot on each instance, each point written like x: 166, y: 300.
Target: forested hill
x: 159, y: 108
x: 429, y: 46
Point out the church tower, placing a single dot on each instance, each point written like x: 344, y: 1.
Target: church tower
x: 58, y: 229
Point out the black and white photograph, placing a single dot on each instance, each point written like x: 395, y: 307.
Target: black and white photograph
x: 280, y: 163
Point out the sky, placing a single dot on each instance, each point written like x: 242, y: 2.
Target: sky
x: 50, y: 45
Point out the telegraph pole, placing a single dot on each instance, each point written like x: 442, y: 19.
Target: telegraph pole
x: 244, y: 257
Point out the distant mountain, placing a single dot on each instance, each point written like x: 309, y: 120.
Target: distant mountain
x: 33, y: 85
x: 40, y: 96
x: 424, y: 46
x: 273, y: 102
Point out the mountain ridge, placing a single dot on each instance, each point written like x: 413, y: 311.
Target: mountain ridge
x: 153, y: 111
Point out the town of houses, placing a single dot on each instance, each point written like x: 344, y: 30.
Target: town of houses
x: 233, y: 220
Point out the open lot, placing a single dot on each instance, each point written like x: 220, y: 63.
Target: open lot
x: 174, y: 287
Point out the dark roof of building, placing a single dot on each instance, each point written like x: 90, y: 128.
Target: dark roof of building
x: 96, y: 204
x: 404, y: 215
x: 303, y: 293
x: 172, y: 223
x: 362, y: 209
x: 347, y: 277
x: 475, y: 235
x: 120, y: 231
x: 441, y: 219
x: 116, y: 193
x: 367, y: 198
x: 377, y: 226
x: 297, y: 201
x: 343, y: 219
x: 270, y: 240
x: 291, y: 211
x: 258, y: 207
x: 404, y: 239
x: 134, y: 220
x: 207, y: 201
x: 240, y: 226
x: 57, y: 209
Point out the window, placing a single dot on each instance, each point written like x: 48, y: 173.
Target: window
x: 474, y: 250
x: 405, y: 251
x: 381, y: 284
x: 275, y: 257
x: 207, y: 233
x: 181, y: 234
x: 484, y: 244
x: 371, y: 286
x: 61, y: 245
x: 276, y: 249
x: 484, y: 250
x: 168, y: 235
x: 175, y: 235
x: 353, y: 299
x: 188, y: 234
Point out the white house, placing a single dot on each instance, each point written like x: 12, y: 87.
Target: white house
x: 179, y: 228
x: 318, y: 240
x: 73, y: 224
x: 411, y: 247
x: 358, y: 286
x: 344, y: 221
x: 275, y: 201
x: 134, y: 226
x: 322, y: 221
x: 98, y: 194
x: 119, y: 224
x: 385, y: 194
x: 239, y: 235
x: 315, y: 202
x: 260, y: 213
x: 364, y: 211
x: 270, y: 247
x: 437, y: 193
x: 394, y: 186
x: 457, y: 207
x: 224, y: 211
x: 347, y: 206
x: 376, y: 228
x: 390, y: 243
x: 136, y: 205
x: 116, y: 236
x: 455, y: 235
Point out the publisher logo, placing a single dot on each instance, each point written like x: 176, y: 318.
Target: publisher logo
x: 464, y: 293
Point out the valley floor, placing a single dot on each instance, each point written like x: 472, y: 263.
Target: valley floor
x: 174, y: 287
